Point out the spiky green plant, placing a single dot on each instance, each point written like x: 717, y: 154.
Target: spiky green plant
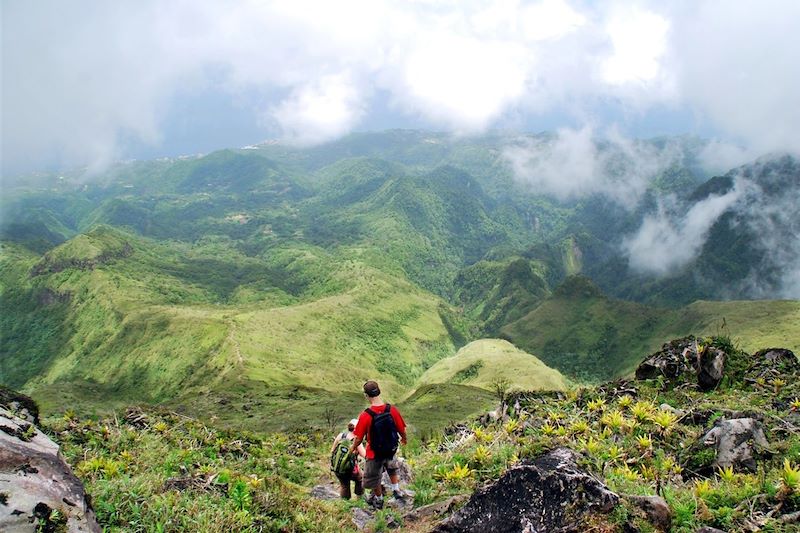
x: 481, y: 455
x: 790, y: 476
x: 726, y: 474
x: 613, y: 420
x: 665, y: 421
x: 579, y: 427
x: 642, y: 411
x: 596, y: 405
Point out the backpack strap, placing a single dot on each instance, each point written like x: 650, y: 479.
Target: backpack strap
x: 373, y: 414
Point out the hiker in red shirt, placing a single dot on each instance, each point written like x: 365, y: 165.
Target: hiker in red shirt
x: 382, y: 426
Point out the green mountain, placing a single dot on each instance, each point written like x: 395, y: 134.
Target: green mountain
x: 280, y: 273
x: 486, y: 362
x: 589, y: 336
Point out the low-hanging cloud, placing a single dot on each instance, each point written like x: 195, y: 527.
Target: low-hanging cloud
x: 671, y: 239
x: 575, y: 163
x: 674, y: 235
x: 82, y: 79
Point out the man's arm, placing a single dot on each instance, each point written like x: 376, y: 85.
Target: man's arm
x: 403, y: 439
x: 356, y: 444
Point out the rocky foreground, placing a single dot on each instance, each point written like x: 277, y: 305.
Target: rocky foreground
x: 706, y: 438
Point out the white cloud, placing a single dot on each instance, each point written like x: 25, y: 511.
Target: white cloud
x: 639, y: 40
x: 670, y: 239
x: 463, y: 82
x: 737, y: 66
x: 574, y: 164
x: 718, y: 156
x: 319, y: 112
x: 84, y: 78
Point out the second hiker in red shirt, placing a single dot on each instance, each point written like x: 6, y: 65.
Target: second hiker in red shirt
x: 382, y: 426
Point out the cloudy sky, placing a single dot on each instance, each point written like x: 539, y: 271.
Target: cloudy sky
x: 88, y: 82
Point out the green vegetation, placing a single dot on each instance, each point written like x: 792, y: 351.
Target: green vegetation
x: 589, y: 336
x: 482, y: 363
x: 141, y: 469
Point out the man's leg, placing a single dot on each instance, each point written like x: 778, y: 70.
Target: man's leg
x: 392, y: 468
x: 372, y: 481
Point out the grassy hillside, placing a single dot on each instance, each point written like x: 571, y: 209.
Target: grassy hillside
x: 485, y: 362
x: 167, y: 472
x: 590, y: 336
x: 131, y: 318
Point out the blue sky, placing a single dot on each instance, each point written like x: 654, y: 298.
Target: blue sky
x: 89, y: 82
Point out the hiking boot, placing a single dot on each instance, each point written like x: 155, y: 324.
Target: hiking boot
x: 375, y: 502
x: 399, y: 495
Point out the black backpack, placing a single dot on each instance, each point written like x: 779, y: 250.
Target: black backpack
x: 383, y: 436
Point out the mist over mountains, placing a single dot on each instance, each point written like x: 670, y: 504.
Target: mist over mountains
x: 634, y: 209
x: 473, y: 237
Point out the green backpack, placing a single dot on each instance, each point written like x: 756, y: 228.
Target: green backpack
x: 342, y: 461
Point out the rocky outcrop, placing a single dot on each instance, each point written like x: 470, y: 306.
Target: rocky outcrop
x: 684, y: 357
x: 19, y: 405
x: 710, y: 367
x: 655, y: 509
x: 671, y: 361
x: 38, y: 491
x: 737, y: 442
x: 772, y: 363
x: 547, y: 494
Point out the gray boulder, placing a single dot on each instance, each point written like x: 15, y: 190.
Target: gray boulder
x: 710, y: 368
x: 655, y: 509
x: 403, y: 471
x: 35, y: 482
x: 547, y: 494
x: 736, y: 442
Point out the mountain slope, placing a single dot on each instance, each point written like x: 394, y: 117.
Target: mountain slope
x: 589, y: 336
x: 485, y: 362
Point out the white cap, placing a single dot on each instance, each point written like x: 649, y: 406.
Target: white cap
x: 353, y: 422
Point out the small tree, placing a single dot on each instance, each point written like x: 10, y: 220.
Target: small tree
x: 500, y: 387
x: 331, y: 418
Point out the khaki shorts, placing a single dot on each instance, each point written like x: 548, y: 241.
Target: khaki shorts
x: 374, y: 468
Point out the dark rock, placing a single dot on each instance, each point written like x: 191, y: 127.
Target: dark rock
x: 736, y: 442
x: 616, y: 389
x: 711, y: 368
x: 777, y: 357
x: 674, y: 358
x: 19, y: 405
x: 684, y: 360
x: 201, y: 482
x: 36, y: 481
x: 773, y: 363
x: 655, y: 509
x: 546, y: 494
